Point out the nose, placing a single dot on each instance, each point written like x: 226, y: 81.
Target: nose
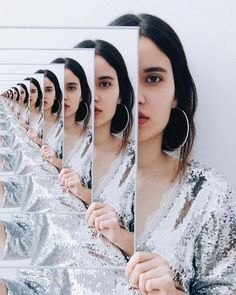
x: 65, y: 96
x: 96, y: 97
x: 141, y: 96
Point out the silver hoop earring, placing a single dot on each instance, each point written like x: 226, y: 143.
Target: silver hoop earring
x: 170, y: 127
x: 118, y: 125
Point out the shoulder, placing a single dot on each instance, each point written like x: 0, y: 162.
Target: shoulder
x: 207, y: 180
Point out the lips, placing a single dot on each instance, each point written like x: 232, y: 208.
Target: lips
x: 97, y: 111
x: 66, y: 106
x: 142, y: 118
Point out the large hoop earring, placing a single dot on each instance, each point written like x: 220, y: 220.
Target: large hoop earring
x: 178, y: 119
x: 56, y: 106
x: 82, y: 112
x: 120, y: 120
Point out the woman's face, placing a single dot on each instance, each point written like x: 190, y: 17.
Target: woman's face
x: 156, y: 90
x: 106, y: 92
x: 49, y: 94
x: 22, y: 94
x: 33, y: 94
x: 72, y: 94
x: 14, y: 94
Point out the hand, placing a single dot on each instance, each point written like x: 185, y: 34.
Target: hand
x: 48, y: 153
x: 151, y: 274
x: 32, y: 134
x: 70, y: 180
x: 22, y: 122
x: 104, y: 219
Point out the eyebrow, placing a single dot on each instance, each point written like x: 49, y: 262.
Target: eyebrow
x: 71, y: 83
x: 48, y: 87
x: 155, y: 69
x: 105, y: 78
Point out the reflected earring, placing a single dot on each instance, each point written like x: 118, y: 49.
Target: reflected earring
x: 120, y: 120
x: 56, y: 106
x: 173, y: 137
x: 82, y: 112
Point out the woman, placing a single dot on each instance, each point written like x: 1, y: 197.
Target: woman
x: 24, y: 105
x: 52, y: 149
x: 186, y: 230
x: 35, y: 131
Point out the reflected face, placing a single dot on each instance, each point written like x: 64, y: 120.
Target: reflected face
x: 106, y: 92
x: 72, y: 94
x: 156, y: 90
x: 33, y: 94
x: 14, y: 94
x: 22, y: 94
x: 49, y: 94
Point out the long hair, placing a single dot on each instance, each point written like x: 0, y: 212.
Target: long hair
x: 168, y: 42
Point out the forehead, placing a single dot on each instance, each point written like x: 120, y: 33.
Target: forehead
x: 69, y: 76
x: 47, y: 82
x: 151, y: 56
x: 102, y: 68
x: 32, y: 85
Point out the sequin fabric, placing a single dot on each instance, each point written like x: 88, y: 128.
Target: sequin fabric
x: 117, y: 188
x: 194, y: 229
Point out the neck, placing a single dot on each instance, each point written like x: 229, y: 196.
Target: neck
x: 102, y: 135
x: 32, y: 108
x: 47, y: 114
x: 69, y: 124
x: 150, y: 154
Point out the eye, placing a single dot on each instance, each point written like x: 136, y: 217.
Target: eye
x: 71, y: 88
x: 153, y: 79
x: 104, y: 84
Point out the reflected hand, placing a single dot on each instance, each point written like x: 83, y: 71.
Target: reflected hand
x: 151, y: 274
x: 104, y: 219
x: 32, y: 134
x: 70, y: 180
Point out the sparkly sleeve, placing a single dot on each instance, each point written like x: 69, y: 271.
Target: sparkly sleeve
x: 13, y: 193
x: 39, y: 282
x: 19, y: 288
x: 19, y: 233
x: 215, y: 250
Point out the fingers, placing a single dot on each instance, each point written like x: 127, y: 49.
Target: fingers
x: 63, y: 172
x: 105, y: 220
x: 145, y: 267
x: 150, y: 273
x: 110, y: 223
x: 47, y: 151
x: 138, y: 257
x: 67, y: 175
x: 92, y: 207
x: 95, y: 215
x: 154, y: 279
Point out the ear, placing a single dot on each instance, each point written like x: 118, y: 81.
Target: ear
x: 119, y: 100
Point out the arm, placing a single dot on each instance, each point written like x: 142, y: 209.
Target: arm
x: 215, y: 250
x: 16, y: 237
